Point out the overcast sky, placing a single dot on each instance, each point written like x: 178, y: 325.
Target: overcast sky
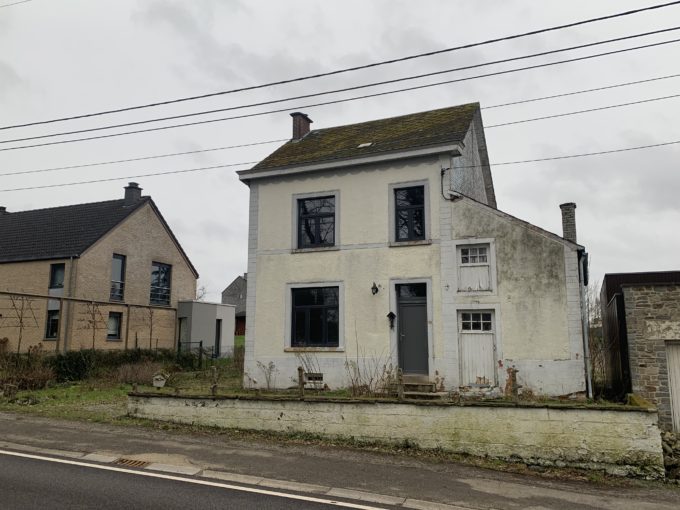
x: 66, y: 57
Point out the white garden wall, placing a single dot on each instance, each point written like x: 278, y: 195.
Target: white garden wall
x: 624, y: 441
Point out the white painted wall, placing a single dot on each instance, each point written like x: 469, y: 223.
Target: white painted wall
x: 363, y: 256
x: 621, y: 442
x: 534, y: 296
x: 534, y: 278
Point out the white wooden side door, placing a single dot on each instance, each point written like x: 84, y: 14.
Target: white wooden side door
x: 673, y: 360
x: 477, y: 345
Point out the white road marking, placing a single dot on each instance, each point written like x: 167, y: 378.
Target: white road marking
x: 194, y: 481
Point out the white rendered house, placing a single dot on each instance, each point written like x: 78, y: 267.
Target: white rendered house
x: 381, y: 242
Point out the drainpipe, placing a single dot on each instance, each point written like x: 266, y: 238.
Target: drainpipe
x: 71, y: 293
x: 585, y: 320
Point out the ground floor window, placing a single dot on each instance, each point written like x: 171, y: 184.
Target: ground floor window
x: 52, y: 327
x: 315, y: 317
x: 113, y: 329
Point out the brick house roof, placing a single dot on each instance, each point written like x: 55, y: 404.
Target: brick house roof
x: 434, y: 127
x: 66, y: 231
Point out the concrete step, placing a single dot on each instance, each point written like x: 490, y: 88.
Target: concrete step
x: 419, y: 387
x: 426, y: 395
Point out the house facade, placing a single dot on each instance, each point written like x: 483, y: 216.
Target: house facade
x: 106, y: 275
x: 380, y: 244
x: 641, y: 331
x: 235, y: 294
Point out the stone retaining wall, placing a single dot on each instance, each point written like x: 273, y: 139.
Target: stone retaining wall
x: 624, y: 441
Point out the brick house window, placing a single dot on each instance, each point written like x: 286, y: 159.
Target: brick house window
x: 118, y: 278
x: 316, y: 222
x: 52, y: 326
x: 114, y: 326
x: 57, y: 272
x: 161, y: 277
x: 315, y: 317
x: 409, y: 213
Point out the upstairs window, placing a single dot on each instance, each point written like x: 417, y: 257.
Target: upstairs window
x: 57, y: 272
x: 409, y: 213
x: 161, y: 277
x: 118, y: 278
x: 316, y: 222
x: 474, y: 268
x: 316, y: 317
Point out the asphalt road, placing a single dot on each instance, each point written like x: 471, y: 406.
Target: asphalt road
x: 37, y: 484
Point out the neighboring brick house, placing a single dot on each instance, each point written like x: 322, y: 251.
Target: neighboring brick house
x: 114, y: 273
x: 641, y: 328
x: 235, y: 294
x: 380, y: 243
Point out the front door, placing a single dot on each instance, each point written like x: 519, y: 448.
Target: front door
x: 412, y: 328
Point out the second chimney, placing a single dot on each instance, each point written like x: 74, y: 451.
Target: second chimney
x: 569, y: 221
x: 133, y: 193
x: 300, y: 125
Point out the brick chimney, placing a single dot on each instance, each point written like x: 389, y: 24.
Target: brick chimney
x: 569, y: 221
x: 133, y: 193
x: 3, y: 210
x: 300, y: 125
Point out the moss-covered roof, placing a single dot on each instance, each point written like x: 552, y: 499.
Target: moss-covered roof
x: 433, y: 127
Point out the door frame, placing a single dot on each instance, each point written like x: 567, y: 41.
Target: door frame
x: 480, y: 307
x: 394, y: 332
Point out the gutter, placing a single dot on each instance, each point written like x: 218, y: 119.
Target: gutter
x: 585, y: 320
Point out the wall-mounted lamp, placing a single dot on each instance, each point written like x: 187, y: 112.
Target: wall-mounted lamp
x: 391, y: 317
x: 374, y: 289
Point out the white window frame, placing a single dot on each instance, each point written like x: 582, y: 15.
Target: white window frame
x: 490, y: 244
x: 392, y: 234
x: 294, y: 208
x: 289, y: 316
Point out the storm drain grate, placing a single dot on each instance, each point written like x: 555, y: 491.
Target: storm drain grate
x: 132, y: 463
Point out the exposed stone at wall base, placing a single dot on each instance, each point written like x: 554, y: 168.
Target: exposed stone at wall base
x: 623, y: 442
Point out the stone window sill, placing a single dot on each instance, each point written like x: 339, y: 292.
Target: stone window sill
x: 314, y: 349
x: 421, y: 242
x: 320, y: 248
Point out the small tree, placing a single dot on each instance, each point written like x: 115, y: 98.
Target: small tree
x: 92, y: 319
x: 21, y: 316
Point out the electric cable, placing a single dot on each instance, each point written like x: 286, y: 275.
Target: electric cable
x: 337, y: 101
x: 353, y: 68
x: 200, y: 169
x: 336, y: 91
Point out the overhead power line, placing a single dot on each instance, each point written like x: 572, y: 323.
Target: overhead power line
x: 14, y: 3
x: 567, y: 114
x: 153, y: 174
x: 141, y: 158
x: 201, y: 169
x: 353, y: 68
x: 584, y: 91
x: 337, y: 101
x: 251, y: 144
x: 345, y: 89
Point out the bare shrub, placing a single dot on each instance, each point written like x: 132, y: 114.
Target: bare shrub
x: 238, y: 358
x: 269, y: 371
x: 137, y: 373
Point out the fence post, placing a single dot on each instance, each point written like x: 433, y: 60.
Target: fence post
x: 301, y: 382
x: 200, y: 355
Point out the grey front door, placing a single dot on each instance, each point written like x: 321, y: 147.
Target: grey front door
x: 412, y: 328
